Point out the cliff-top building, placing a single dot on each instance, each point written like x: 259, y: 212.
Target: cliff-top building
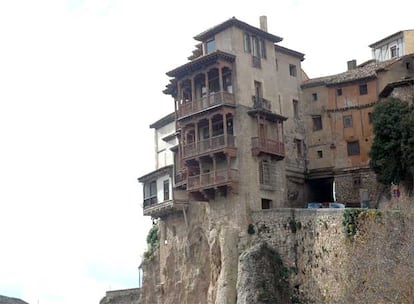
x: 238, y: 120
x: 251, y: 132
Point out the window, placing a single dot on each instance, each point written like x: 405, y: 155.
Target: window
x: 295, y: 108
x: 339, y: 92
x: 267, y: 171
x: 298, y: 144
x: 353, y: 148
x: 256, y: 46
x: 218, y: 128
x: 363, y: 89
x: 266, y: 203
x: 356, y: 180
x: 258, y: 91
x: 394, y: 51
x: 210, y: 46
x: 317, y: 122
x: 262, y: 48
x: 292, y: 70
x: 347, y: 121
x: 277, y: 65
x: 319, y: 153
x: 314, y: 96
x: 153, y: 188
x: 247, y: 43
x: 166, y: 190
x: 370, y: 118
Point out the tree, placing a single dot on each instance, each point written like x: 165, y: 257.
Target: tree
x: 386, y: 154
x: 407, y: 142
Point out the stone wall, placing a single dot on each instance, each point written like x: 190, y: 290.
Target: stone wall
x: 312, y: 246
x: 124, y: 296
x: 348, y: 185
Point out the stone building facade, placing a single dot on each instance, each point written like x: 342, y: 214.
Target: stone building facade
x: 250, y: 132
x: 340, y: 132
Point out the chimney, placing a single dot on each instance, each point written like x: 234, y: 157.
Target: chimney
x: 263, y: 23
x: 352, y: 64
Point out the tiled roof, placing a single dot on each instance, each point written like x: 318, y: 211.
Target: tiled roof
x: 201, y: 62
x: 365, y: 71
x: 401, y: 83
x: 237, y: 23
x: 287, y: 51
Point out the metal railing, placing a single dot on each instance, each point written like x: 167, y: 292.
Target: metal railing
x: 217, y: 142
x: 212, y: 179
x: 268, y: 146
x: 259, y: 103
x: 214, y: 98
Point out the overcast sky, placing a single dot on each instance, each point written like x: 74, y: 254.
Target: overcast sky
x: 80, y: 82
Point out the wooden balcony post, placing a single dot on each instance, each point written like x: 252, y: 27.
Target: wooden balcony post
x: 207, y: 89
x: 214, y: 170
x: 210, y: 131
x: 225, y: 129
x: 194, y: 105
x: 200, y: 179
x: 221, y: 83
x: 196, y: 137
x: 179, y: 97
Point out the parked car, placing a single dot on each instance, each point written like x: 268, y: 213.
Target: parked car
x: 314, y: 205
x: 336, y: 205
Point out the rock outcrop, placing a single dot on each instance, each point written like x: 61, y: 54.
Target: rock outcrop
x: 262, y: 277
x: 7, y: 300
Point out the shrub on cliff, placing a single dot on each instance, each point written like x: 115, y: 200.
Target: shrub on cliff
x: 153, y: 243
x: 387, y: 157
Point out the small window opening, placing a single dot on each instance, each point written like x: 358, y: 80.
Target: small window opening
x: 266, y: 203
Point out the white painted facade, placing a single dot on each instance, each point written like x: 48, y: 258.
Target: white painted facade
x: 164, y: 140
x: 394, y: 46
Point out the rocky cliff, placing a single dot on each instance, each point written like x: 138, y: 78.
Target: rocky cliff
x: 281, y: 256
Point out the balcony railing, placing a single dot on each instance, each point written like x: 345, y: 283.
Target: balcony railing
x: 214, y: 98
x: 150, y: 201
x: 259, y: 103
x: 181, y: 178
x: 156, y: 209
x: 212, y: 179
x: 268, y: 146
x: 203, y: 146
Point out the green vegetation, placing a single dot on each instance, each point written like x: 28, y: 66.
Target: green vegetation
x: 392, y: 152
x: 250, y: 229
x: 153, y: 243
x: 294, y: 226
x: 352, y: 217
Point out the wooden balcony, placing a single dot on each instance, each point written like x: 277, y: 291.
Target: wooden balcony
x: 181, y: 178
x: 159, y: 209
x: 213, y: 99
x: 222, y: 143
x: 268, y: 146
x: 214, y: 179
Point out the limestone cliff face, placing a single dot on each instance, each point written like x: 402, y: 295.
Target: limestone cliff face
x: 288, y: 256
x: 262, y: 278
